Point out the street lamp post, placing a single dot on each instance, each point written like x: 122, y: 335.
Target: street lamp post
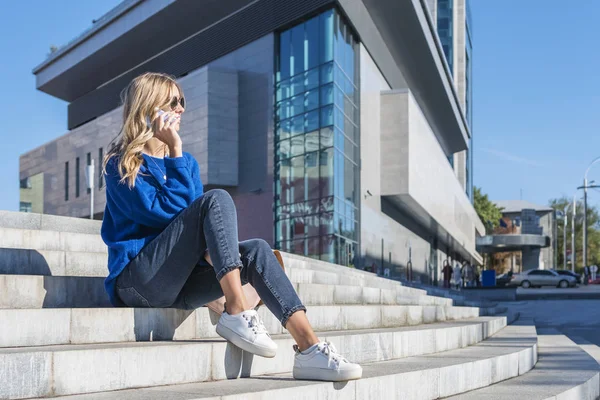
x: 585, y: 188
x: 565, y: 223
x: 90, y: 184
x: 573, y: 233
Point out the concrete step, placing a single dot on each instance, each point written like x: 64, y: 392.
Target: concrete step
x: 91, y: 264
x: 45, y: 222
x: 509, y: 353
x: 31, y: 327
x: 35, y: 239
x: 71, y: 369
x: 35, y: 291
x: 52, y: 262
x: 563, y: 371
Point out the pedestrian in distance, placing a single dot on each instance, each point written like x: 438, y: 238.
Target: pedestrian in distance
x: 447, y: 274
x: 456, y: 276
x: 171, y: 244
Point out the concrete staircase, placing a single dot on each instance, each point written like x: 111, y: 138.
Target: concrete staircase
x: 59, y: 337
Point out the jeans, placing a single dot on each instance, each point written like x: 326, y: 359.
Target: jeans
x: 171, y: 271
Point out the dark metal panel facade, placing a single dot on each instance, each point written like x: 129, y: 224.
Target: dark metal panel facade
x: 249, y: 24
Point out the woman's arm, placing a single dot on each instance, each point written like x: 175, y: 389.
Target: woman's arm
x: 147, y: 203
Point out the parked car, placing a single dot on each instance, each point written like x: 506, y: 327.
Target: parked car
x: 568, y: 273
x: 542, y: 277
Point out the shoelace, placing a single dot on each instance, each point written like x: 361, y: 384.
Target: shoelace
x: 331, y: 352
x: 256, y: 324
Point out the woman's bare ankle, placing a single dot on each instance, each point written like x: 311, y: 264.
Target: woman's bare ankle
x: 235, y: 308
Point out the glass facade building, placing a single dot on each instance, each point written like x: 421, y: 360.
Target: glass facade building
x: 469, y: 97
x: 317, y: 140
x: 445, y: 27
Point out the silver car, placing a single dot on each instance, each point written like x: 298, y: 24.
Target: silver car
x: 542, y: 277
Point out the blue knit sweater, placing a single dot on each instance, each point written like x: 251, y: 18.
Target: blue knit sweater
x: 133, y: 217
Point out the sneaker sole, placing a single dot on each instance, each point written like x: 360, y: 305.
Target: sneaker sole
x: 329, y: 375
x: 243, y: 344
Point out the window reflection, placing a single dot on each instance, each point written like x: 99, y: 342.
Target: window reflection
x: 316, y: 138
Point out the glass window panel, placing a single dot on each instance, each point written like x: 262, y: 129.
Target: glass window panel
x: 297, y: 125
x: 327, y: 116
x: 284, y: 54
x: 312, y: 207
x: 348, y: 107
x: 284, y: 129
x: 338, y: 179
x: 311, y: 79
x: 285, y: 179
x: 338, y: 118
x: 338, y: 37
x: 298, y: 247
x: 339, y: 139
x: 312, y: 143
x: 326, y: 36
x: 327, y: 248
x: 338, y: 223
x: 349, y: 53
x: 348, y: 148
x: 326, y: 204
x: 339, y: 97
x: 283, y: 149
x: 326, y: 177
x: 339, y: 205
x: 283, y: 230
x: 283, y: 90
x: 283, y: 110
x: 298, y: 226
x: 349, y: 229
x: 313, y: 224
x: 312, y: 53
x: 296, y: 85
x: 311, y: 100
x: 313, y: 247
x: 327, y: 137
x: 311, y: 122
x: 297, y: 64
x: 297, y: 146
x: 327, y: 73
x: 291, y: 107
x: 297, y: 179
x: 326, y: 224
x: 327, y: 94
x: 311, y: 166
x: 349, y: 128
x: 349, y: 180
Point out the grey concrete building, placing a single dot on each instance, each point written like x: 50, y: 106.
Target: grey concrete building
x: 532, y: 233
x: 330, y: 122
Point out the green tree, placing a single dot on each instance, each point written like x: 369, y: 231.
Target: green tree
x: 489, y: 213
x: 593, y: 216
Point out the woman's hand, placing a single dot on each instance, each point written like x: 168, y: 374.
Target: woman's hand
x: 165, y: 129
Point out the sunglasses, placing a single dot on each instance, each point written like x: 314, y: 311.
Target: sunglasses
x: 176, y: 101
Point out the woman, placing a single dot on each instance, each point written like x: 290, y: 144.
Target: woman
x: 160, y: 227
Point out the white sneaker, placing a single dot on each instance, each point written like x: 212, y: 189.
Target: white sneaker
x: 324, y: 363
x: 246, y: 331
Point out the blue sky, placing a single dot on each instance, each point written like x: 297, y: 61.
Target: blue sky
x: 536, y: 91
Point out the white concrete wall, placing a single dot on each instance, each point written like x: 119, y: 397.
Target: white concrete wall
x: 432, y: 185
x: 377, y: 227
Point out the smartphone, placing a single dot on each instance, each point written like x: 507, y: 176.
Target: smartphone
x: 159, y: 112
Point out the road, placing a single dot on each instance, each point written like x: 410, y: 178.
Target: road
x: 577, y: 319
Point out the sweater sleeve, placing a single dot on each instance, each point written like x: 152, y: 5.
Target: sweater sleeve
x: 148, y: 203
x: 195, y: 170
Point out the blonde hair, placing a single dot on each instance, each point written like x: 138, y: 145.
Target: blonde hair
x: 140, y: 99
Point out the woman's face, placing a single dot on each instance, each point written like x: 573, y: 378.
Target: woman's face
x: 176, y: 105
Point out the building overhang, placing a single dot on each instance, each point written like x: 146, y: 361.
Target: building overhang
x: 507, y: 243
x: 129, y: 35
x: 406, y: 30
x: 417, y: 178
